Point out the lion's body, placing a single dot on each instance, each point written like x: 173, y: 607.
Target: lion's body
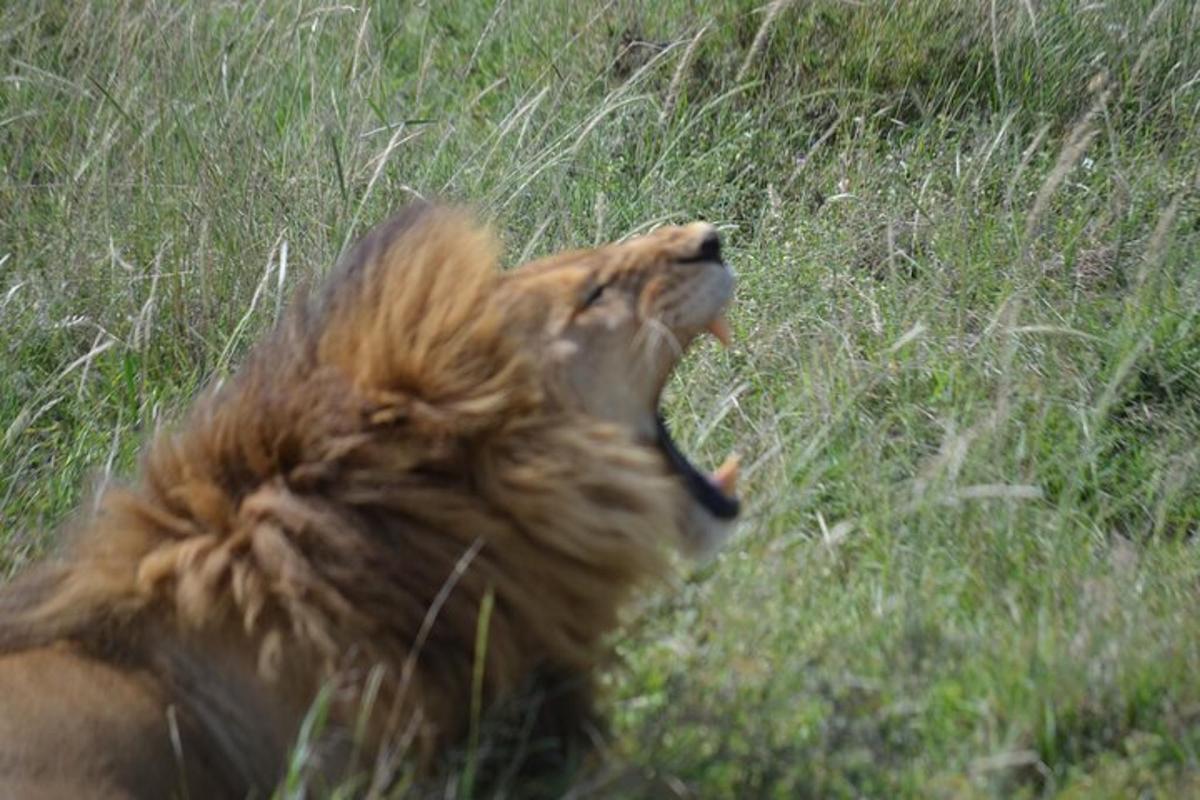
x: 74, y: 726
x: 78, y: 725
x: 385, y: 465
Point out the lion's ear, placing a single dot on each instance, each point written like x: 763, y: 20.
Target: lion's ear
x: 411, y: 312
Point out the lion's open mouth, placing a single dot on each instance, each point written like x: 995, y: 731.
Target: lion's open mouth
x: 715, y: 492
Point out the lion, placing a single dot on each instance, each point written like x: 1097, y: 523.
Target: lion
x: 433, y: 483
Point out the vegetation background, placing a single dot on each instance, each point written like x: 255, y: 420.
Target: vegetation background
x: 966, y: 381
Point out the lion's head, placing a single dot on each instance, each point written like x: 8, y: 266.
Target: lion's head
x: 610, y: 324
x: 426, y: 323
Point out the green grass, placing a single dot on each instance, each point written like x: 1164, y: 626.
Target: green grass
x: 967, y: 376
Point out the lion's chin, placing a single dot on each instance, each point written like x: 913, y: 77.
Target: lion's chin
x: 704, y: 534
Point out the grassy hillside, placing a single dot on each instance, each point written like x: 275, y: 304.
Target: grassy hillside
x: 966, y: 381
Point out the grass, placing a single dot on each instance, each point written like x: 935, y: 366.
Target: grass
x: 967, y: 376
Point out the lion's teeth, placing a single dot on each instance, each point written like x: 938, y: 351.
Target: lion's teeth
x: 727, y: 474
x: 719, y: 328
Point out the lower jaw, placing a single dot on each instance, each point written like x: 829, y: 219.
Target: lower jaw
x: 700, y: 487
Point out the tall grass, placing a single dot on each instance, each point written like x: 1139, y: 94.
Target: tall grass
x: 967, y: 377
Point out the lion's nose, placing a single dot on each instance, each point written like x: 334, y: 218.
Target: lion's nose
x: 708, y: 244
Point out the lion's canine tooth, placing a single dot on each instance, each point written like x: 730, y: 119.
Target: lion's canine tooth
x: 727, y: 474
x: 719, y: 328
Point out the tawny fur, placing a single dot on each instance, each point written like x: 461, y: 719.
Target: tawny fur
x: 335, y: 515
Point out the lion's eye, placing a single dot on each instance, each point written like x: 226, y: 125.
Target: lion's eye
x: 593, y: 295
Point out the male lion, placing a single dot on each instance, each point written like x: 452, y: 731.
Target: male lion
x: 428, y: 459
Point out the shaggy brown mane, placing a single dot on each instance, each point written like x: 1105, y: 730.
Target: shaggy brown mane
x: 390, y: 456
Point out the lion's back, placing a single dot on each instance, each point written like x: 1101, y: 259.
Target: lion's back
x: 73, y: 726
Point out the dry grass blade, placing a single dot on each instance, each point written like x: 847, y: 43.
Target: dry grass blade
x: 760, y: 39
